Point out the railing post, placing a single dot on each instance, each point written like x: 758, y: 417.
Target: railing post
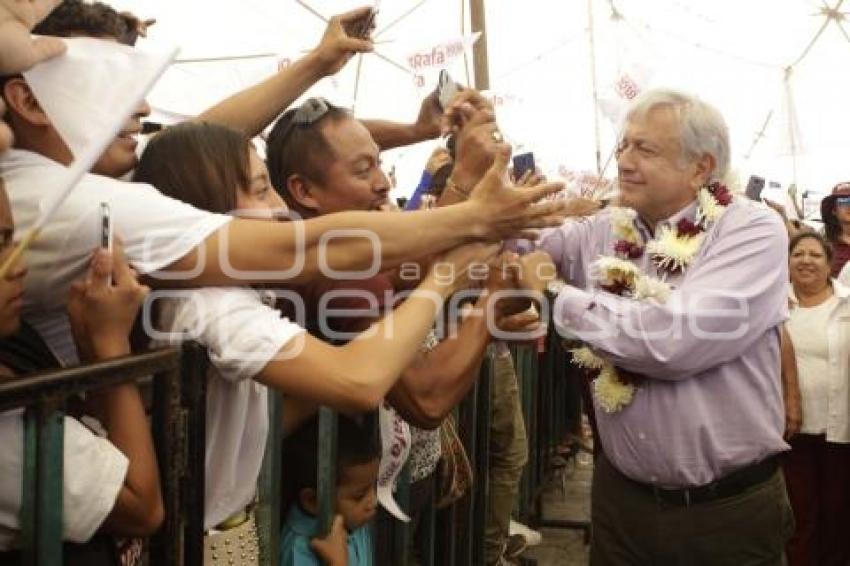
x: 465, y: 507
x: 401, y: 531
x: 194, y: 366
x: 42, y: 498
x: 29, y: 487
x: 168, y: 428
x: 428, y: 525
x: 326, y: 482
x: 268, y: 510
x: 481, y: 459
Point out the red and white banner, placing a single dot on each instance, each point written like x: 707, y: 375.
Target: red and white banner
x: 428, y: 61
x: 616, y: 97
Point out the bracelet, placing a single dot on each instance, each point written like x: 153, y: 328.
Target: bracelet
x: 452, y: 186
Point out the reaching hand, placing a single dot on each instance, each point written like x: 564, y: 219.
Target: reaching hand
x: 468, y: 105
x: 511, y: 212
x: 339, y: 42
x: 537, y: 270
x: 18, y: 50
x: 581, y: 206
x: 456, y: 267
x: 333, y: 549
x: 101, y: 313
x: 439, y: 158
x: 503, y: 285
x: 530, y: 179
x: 430, y: 119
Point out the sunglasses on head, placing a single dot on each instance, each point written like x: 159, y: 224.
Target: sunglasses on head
x: 310, y: 112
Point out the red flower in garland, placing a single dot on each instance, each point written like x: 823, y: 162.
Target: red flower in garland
x: 627, y: 249
x: 720, y: 193
x: 687, y: 228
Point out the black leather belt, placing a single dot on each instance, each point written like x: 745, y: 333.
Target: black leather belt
x: 728, y: 486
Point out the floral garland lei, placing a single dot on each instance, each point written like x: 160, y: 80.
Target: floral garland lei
x: 672, y: 251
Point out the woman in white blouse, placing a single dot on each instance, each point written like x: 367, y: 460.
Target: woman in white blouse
x: 251, y: 344
x: 817, y: 469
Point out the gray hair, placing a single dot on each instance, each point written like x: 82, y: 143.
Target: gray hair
x: 702, y: 129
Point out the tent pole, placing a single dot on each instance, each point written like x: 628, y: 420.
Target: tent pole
x: 480, y: 59
x: 592, y: 38
x: 792, y: 123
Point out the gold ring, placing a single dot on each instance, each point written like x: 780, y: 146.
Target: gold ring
x: 497, y: 136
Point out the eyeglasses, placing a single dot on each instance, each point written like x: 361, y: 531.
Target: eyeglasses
x: 842, y: 201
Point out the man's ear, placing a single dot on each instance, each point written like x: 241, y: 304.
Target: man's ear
x: 703, y: 168
x: 21, y: 102
x: 302, y: 190
x: 308, y: 500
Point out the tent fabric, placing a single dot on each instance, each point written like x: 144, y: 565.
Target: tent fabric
x: 785, y: 125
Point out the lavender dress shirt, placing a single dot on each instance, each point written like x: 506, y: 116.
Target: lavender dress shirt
x: 711, y: 402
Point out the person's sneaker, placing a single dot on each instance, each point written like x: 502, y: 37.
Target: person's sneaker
x: 532, y: 537
x: 514, y: 546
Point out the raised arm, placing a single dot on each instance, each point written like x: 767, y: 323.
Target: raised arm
x: 438, y: 380
x: 357, y: 376
x: 257, y: 251
x: 101, y: 316
x: 254, y: 108
x: 396, y: 134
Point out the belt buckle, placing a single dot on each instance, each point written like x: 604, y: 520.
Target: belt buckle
x: 678, y: 497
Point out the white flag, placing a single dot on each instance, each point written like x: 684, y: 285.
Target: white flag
x: 616, y: 97
x: 89, y: 93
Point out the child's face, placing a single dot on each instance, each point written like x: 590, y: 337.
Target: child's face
x: 356, y: 497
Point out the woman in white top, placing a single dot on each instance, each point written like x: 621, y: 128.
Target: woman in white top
x: 817, y: 469
x: 251, y: 345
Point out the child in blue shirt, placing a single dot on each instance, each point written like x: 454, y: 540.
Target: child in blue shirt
x: 349, y: 543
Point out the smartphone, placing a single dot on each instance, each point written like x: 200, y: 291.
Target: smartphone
x: 106, y: 230
x: 523, y: 163
x: 754, y: 187
x: 447, y: 89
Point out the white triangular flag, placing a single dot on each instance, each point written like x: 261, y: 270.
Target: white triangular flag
x: 89, y: 93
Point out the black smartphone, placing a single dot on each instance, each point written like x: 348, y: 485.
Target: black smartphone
x: 754, y: 187
x: 523, y: 163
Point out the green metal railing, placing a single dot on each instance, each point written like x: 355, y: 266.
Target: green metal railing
x: 178, y: 391
x: 453, y: 536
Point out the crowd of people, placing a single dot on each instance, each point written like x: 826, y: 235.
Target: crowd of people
x: 718, y: 370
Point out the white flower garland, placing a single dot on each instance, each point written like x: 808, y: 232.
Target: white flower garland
x: 673, y: 250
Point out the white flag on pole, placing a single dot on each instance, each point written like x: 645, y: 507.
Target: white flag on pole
x: 89, y: 93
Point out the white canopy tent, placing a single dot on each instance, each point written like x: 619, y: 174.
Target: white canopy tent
x: 773, y: 68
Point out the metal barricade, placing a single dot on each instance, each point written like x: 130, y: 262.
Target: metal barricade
x: 178, y: 417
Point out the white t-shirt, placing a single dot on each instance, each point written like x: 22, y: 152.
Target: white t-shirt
x: 156, y: 231
x: 808, y: 330
x: 93, y: 474
x: 242, y: 334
